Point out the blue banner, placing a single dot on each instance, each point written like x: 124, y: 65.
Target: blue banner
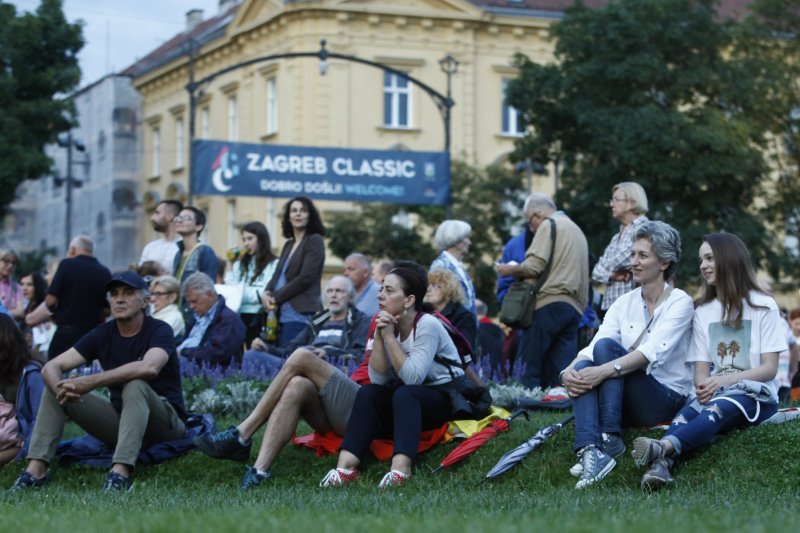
x: 387, y: 176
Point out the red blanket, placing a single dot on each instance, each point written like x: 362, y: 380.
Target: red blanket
x: 328, y: 444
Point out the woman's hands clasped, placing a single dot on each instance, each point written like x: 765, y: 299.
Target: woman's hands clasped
x: 579, y: 382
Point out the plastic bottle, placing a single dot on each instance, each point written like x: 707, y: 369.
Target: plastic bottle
x: 271, y: 327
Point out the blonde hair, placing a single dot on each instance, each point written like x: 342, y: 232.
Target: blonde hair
x: 451, y: 287
x: 635, y: 193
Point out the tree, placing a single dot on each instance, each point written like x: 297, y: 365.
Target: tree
x: 768, y: 39
x: 647, y: 91
x: 38, y: 54
x: 489, y: 199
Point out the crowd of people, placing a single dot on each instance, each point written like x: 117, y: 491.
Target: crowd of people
x: 710, y: 364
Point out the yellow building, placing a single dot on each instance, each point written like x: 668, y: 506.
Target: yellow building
x: 289, y: 102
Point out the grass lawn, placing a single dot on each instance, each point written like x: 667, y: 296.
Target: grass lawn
x: 748, y: 481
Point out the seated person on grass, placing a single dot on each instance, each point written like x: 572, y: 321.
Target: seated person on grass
x: 306, y: 386
x: 340, y: 331
x: 141, y: 370
x: 214, y: 333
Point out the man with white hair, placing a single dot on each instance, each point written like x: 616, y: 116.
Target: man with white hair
x: 339, y: 331
x: 358, y: 268
x: 549, y: 344
x: 77, y: 297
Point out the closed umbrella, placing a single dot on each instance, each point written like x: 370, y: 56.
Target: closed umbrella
x: 516, y: 456
x: 468, y: 447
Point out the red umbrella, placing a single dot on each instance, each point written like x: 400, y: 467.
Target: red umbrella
x: 468, y: 447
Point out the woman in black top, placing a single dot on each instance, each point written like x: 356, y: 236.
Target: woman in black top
x: 295, y: 287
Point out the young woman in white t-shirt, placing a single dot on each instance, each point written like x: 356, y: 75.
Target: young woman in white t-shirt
x: 736, y: 338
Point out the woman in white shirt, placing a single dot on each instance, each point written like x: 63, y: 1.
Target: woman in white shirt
x: 253, y: 271
x: 634, y: 372
x: 736, y: 338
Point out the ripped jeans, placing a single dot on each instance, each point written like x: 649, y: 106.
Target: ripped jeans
x: 691, y: 428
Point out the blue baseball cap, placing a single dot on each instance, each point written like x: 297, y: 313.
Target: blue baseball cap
x: 129, y: 278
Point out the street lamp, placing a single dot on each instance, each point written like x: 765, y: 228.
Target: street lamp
x: 449, y: 66
x: 69, y: 143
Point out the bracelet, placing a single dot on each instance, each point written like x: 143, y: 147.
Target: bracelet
x: 561, y: 377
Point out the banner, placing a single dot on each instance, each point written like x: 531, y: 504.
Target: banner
x: 387, y: 176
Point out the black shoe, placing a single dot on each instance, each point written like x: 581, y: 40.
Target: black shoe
x: 657, y: 476
x: 117, y: 483
x: 253, y: 479
x: 26, y: 481
x: 224, y: 445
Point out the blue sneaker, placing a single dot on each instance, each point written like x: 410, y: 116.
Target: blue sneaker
x: 612, y: 445
x: 252, y: 478
x: 117, y: 483
x: 596, y: 465
x: 26, y: 481
x: 224, y: 445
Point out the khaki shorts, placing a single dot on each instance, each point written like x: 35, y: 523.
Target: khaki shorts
x: 338, y: 396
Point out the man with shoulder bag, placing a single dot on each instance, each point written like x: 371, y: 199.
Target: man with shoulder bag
x: 556, y: 265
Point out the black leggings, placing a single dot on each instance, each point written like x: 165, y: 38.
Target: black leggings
x: 401, y: 413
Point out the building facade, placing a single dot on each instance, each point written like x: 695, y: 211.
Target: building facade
x: 105, y: 176
x: 290, y: 102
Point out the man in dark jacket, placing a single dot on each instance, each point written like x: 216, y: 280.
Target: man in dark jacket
x: 339, y: 331
x: 215, y: 334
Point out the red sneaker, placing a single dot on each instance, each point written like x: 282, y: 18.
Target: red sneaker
x: 393, y: 478
x: 338, y: 476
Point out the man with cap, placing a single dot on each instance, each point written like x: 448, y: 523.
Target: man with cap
x: 141, y: 371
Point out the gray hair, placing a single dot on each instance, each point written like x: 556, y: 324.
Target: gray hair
x: 351, y: 289
x: 169, y: 283
x: 83, y: 242
x: 635, y: 193
x: 451, y: 232
x: 666, y: 242
x: 538, y: 201
x: 363, y: 259
x: 200, y: 282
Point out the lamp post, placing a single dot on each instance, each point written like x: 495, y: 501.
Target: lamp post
x: 69, y: 143
x: 449, y: 66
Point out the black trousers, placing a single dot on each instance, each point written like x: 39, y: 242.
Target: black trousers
x: 400, y: 413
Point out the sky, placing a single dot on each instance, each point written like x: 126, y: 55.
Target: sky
x: 119, y: 32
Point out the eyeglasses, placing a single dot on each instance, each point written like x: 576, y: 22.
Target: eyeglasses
x: 181, y: 218
x: 154, y: 293
x: 617, y: 200
x: 332, y: 291
x: 9, y: 261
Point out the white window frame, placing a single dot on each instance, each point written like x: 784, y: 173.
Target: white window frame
x: 179, y: 141
x: 233, y: 119
x: 205, y: 123
x: 509, y: 122
x: 155, y: 166
x: 272, y: 105
x: 395, y: 92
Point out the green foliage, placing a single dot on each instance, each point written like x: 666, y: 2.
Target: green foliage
x: 38, y: 53
x: 647, y: 91
x: 745, y: 482
x: 34, y: 261
x: 488, y: 199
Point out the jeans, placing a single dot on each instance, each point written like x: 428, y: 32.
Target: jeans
x: 689, y: 430
x: 146, y: 418
x: 549, y: 344
x: 635, y: 399
x: 288, y: 331
x: 267, y: 360
x: 401, y: 413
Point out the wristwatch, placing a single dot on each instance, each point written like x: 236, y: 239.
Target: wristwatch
x: 618, y: 368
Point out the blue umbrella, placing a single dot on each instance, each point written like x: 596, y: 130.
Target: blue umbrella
x: 518, y: 454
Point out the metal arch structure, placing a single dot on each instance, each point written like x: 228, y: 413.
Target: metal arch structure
x: 444, y: 103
